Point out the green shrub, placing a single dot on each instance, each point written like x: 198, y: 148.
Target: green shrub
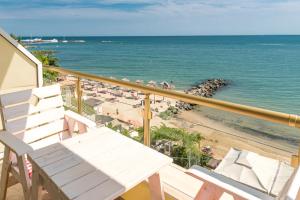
x: 169, y: 113
x: 118, y: 128
x: 48, y: 59
x: 185, y: 150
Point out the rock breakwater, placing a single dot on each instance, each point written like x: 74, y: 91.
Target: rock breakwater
x: 207, y: 88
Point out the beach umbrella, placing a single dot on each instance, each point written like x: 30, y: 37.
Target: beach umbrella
x: 139, y: 81
x: 152, y: 82
x: 111, y: 77
x: 125, y: 79
x: 165, y: 84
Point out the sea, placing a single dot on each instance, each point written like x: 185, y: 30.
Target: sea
x: 264, y: 71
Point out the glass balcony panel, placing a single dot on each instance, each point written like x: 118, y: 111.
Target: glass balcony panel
x: 218, y: 132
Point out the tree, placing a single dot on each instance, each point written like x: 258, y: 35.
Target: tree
x: 47, y: 58
x: 185, y: 148
x: 169, y: 113
x: 17, y: 38
x: 175, y: 134
x: 186, y: 151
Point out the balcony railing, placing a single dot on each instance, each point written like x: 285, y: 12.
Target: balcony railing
x: 259, y: 113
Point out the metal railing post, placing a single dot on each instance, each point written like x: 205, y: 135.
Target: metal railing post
x: 79, y: 94
x: 298, y: 160
x: 147, y: 117
x: 295, y: 159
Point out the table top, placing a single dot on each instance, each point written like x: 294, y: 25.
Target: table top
x: 100, y: 164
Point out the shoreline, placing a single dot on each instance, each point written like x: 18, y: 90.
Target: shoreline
x: 221, y: 137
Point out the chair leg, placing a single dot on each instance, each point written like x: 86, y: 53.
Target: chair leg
x: 71, y: 125
x: 6, y: 165
x: 36, y: 189
x: 82, y: 128
x: 24, y: 177
x: 209, y: 191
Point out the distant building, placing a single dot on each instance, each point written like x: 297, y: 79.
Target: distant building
x: 96, y: 104
x: 104, y: 120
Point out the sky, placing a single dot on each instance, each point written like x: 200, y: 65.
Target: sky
x: 149, y: 17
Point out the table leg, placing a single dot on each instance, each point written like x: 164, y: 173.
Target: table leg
x: 36, y: 185
x: 155, y: 186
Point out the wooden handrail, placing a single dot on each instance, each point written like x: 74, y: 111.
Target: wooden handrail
x: 273, y: 116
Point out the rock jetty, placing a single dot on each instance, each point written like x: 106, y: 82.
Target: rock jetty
x: 206, y: 89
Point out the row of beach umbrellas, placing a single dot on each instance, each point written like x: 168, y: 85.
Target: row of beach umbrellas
x: 152, y: 83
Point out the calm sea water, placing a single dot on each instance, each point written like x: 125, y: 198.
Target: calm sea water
x: 264, y: 70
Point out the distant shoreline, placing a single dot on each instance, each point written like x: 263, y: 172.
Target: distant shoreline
x: 237, y: 35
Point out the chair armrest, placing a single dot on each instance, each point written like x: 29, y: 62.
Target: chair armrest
x: 88, y: 123
x: 15, y: 144
x: 228, y: 185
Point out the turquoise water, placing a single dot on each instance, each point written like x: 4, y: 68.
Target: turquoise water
x: 264, y: 70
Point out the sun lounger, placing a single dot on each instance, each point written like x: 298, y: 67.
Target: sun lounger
x: 198, y: 183
x: 263, y: 173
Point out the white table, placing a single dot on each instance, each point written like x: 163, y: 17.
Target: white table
x: 100, y: 164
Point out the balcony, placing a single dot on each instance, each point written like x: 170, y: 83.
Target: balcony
x: 88, y: 95
x: 135, y: 105
x: 135, y: 110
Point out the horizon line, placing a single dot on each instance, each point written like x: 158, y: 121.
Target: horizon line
x: 216, y: 35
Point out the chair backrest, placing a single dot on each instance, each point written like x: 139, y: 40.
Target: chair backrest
x: 291, y: 190
x: 33, y: 114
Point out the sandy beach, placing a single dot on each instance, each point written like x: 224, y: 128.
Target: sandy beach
x: 127, y: 107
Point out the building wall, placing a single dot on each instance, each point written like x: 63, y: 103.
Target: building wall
x: 17, y: 71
